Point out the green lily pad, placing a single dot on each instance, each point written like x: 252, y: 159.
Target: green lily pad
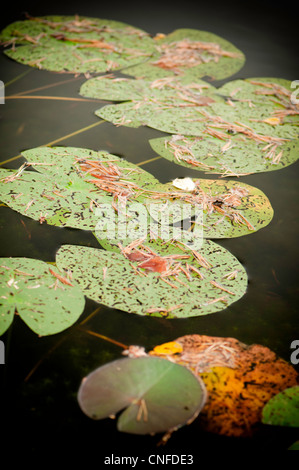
x: 76, y: 44
x: 32, y: 288
x: 157, y: 395
x: 215, y: 279
x: 283, y: 409
x: 230, y: 208
x: 142, y: 99
x: 255, y: 130
x: 268, y: 129
x: 84, y: 189
x: 64, y: 163
x: 222, y: 119
x: 192, y: 53
x: 215, y: 209
x: 62, y: 193
x: 259, y: 90
x: 164, y: 90
x: 236, y: 157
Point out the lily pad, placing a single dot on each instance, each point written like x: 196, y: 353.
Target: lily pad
x: 76, y: 44
x: 70, y: 184
x: 192, y: 53
x: 84, y: 189
x: 45, y: 299
x: 157, y: 396
x: 283, y: 408
x: 222, y: 120
x: 237, y: 156
x: 276, y: 92
x: 229, y: 208
x: 164, y: 90
x: 171, y: 283
x: 216, y: 124
x: 142, y: 98
x: 240, y: 380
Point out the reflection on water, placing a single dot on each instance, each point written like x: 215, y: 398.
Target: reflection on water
x: 43, y: 374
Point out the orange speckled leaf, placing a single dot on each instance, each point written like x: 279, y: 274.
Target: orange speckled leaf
x: 240, y: 379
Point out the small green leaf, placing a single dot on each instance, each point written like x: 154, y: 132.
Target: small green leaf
x: 157, y: 395
x: 47, y: 304
x: 283, y: 409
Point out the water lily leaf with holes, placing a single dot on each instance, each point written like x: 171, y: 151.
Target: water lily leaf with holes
x: 76, y: 44
x: 173, y: 283
x: 240, y: 379
x: 276, y: 92
x: 221, y: 120
x: 40, y: 294
x: 67, y: 165
x: 164, y: 90
x: 147, y: 97
x: 229, y: 208
x: 157, y: 396
x: 42, y: 199
x: 253, y: 121
x: 193, y: 53
x: 283, y: 408
x: 70, y: 184
x: 237, y: 156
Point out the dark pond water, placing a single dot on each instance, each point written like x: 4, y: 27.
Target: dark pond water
x: 41, y: 376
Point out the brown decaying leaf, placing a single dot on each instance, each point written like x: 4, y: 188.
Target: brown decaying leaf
x: 240, y: 379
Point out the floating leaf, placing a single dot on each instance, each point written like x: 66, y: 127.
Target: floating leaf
x: 235, y: 157
x: 70, y: 184
x: 76, y: 44
x: 229, y: 208
x: 142, y: 98
x: 221, y: 120
x: 283, y: 408
x: 162, y: 91
x: 193, y: 53
x: 276, y: 92
x: 174, y: 283
x: 84, y: 189
x: 240, y: 379
x: 255, y: 130
x: 157, y: 396
x: 45, y: 299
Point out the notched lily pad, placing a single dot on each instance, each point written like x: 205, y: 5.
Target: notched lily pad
x: 156, y: 279
x: 80, y: 188
x: 157, y: 396
x: 143, y: 98
x: 192, y: 53
x: 237, y: 156
x: 229, y: 208
x: 255, y: 129
x: 70, y: 184
x: 76, y: 44
x: 41, y: 295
